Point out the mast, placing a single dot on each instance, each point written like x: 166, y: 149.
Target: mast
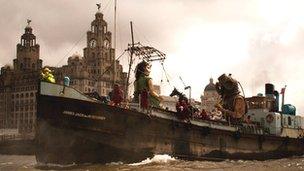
x: 114, y: 60
x: 131, y: 61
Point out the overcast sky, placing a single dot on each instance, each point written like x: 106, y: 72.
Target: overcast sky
x: 257, y: 41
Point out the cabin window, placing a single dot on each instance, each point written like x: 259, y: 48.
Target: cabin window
x: 289, y: 120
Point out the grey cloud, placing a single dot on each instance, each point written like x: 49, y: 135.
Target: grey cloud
x: 58, y: 25
x: 271, y: 61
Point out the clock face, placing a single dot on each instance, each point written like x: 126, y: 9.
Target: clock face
x: 93, y: 43
x: 106, y: 43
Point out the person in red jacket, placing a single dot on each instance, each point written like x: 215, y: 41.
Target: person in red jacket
x: 116, y: 95
x: 183, y: 111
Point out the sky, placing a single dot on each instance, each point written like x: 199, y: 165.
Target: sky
x: 257, y: 41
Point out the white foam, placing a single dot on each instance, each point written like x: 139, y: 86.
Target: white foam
x: 7, y: 163
x: 51, y: 165
x: 115, y: 163
x: 158, y: 158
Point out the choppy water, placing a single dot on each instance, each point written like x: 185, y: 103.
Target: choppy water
x: 158, y: 162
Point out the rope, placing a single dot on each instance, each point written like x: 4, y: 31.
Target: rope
x: 162, y: 76
x: 70, y: 50
x: 166, y: 74
x: 106, y: 9
x: 136, y: 30
x: 106, y: 6
x: 109, y: 67
x: 103, y: 10
x: 242, y: 89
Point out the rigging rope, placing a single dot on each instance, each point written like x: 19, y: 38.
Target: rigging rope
x: 136, y: 30
x: 166, y: 74
x: 242, y: 89
x: 70, y: 49
x: 106, y: 6
x: 103, y: 10
x: 109, y: 67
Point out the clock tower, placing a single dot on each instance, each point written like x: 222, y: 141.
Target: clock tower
x: 98, y: 57
x: 28, y: 52
x: 98, y: 42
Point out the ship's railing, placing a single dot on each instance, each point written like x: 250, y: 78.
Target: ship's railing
x: 247, y: 128
x: 134, y: 106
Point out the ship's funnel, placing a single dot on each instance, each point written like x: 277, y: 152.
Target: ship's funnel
x: 269, y: 90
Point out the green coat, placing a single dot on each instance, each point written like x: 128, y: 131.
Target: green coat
x: 142, y: 84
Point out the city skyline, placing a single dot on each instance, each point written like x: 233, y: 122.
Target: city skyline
x: 255, y: 41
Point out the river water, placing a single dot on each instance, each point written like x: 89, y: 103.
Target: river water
x: 158, y: 162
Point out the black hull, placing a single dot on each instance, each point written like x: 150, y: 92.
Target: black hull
x: 78, y: 131
x: 75, y: 148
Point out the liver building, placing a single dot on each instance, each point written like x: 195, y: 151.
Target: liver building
x: 92, y: 72
x: 19, y: 84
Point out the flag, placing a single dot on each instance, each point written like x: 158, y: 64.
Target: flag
x: 283, y: 90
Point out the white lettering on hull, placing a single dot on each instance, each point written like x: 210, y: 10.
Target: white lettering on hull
x: 71, y: 113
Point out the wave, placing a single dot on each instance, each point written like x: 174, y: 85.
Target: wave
x: 115, y: 163
x: 7, y: 163
x: 158, y: 158
x: 54, y: 166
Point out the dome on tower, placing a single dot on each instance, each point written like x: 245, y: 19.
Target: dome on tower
x: 74, y: 57
x: 210, y: 86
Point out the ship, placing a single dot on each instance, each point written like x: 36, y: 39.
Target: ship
x: 73, y: 127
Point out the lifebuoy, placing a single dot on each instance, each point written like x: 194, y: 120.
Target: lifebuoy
x: 269, y: 118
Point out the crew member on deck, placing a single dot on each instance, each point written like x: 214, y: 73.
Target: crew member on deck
x: 143, y: 87
x: 233, y: 105
x: 183, y: 111
x: 46, y: 75
x: 116, y: 95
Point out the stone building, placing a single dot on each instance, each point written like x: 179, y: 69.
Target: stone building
x: 210, y: 97
x: 169, y: 103
x: 19, y: 84
x: 94, y: 71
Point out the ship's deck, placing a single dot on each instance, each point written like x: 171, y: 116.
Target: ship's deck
x: 50, y: 89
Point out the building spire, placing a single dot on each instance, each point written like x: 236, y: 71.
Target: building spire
x: 28, y: 22
x: 98, y: 7
x: 211, y: 80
